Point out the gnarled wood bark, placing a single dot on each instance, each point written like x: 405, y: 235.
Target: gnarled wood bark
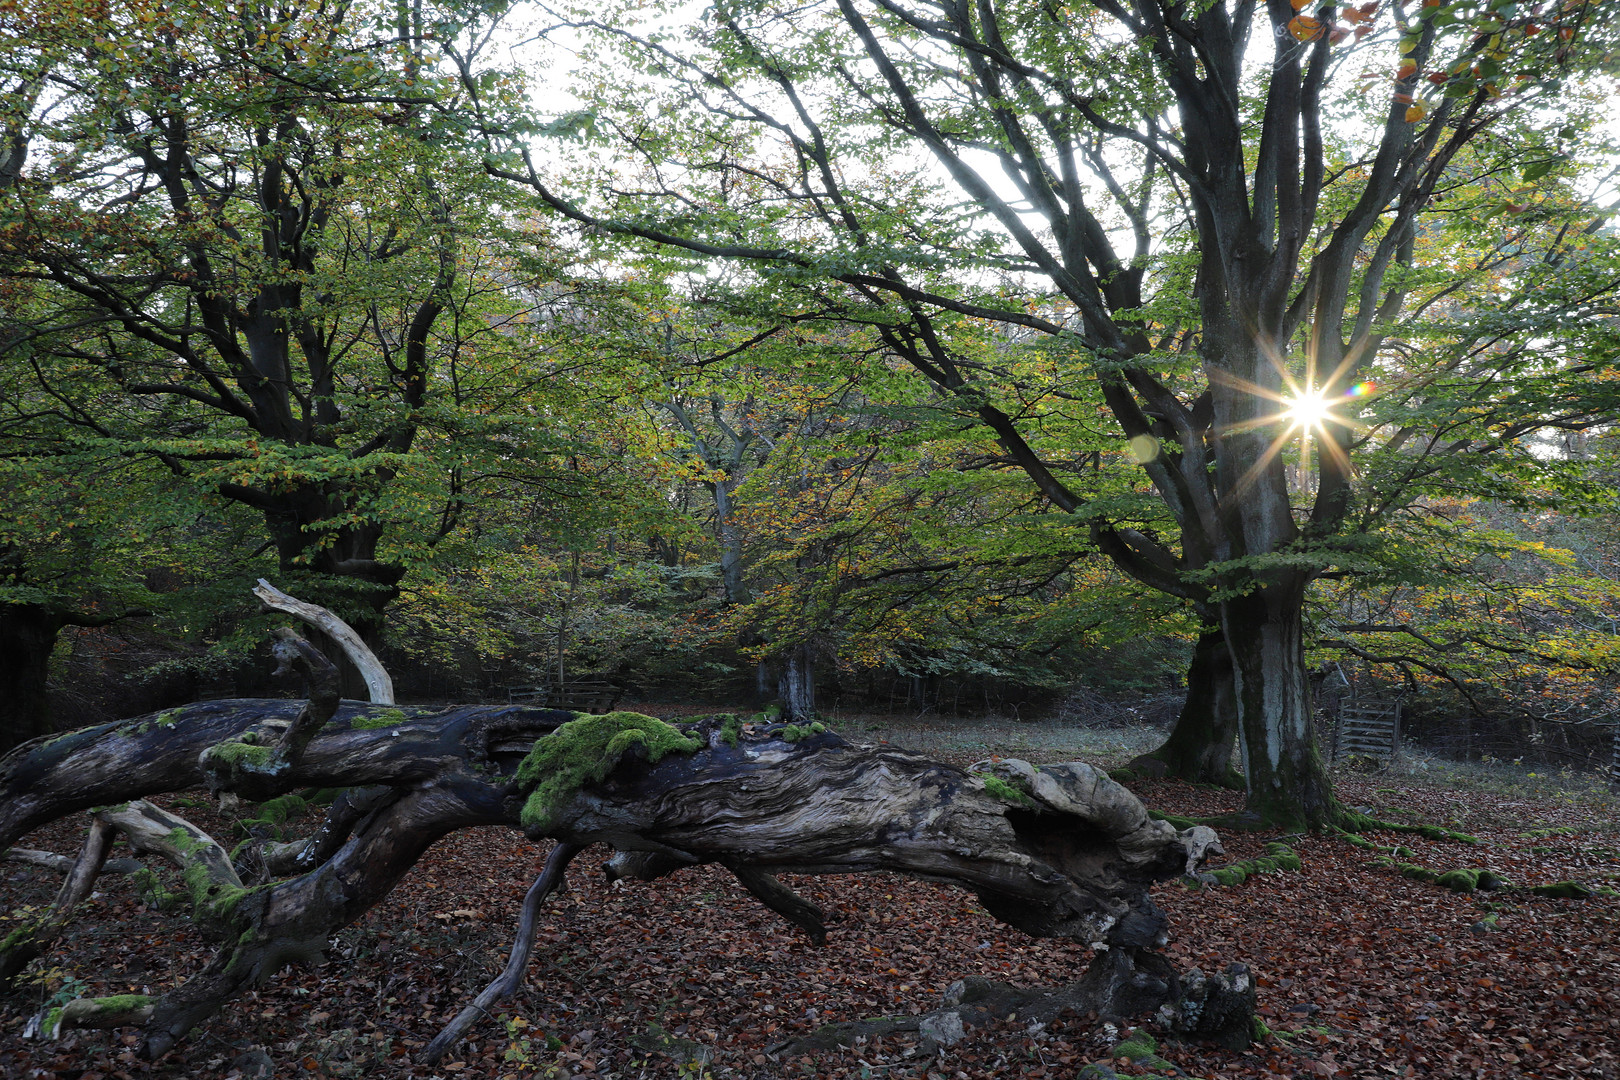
x: 379, y: 686
x: 1056, y: 851
x: 1061, y: 851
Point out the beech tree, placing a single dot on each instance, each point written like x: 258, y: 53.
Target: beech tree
x: 1229, y: 199
x: 240, y: 243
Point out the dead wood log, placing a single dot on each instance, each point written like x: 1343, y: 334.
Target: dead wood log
x: 50, y: 860
x: 1056, y: 851
x: 1059, y: 851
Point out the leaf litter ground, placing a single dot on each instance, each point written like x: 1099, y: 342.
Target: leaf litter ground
x: 1362, y: 972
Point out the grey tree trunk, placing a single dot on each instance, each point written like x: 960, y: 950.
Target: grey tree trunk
x: 1199, y: 747
x: 796, y: 684
x: 1286, y: 780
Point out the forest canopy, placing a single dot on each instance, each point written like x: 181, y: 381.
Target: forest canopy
x: 860, y: 353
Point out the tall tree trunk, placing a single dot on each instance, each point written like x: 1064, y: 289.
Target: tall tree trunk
x: 1199, y: 747
x: 797, y: 684
x: 27, y: 635
x: 1287, y: 783
x: 731, y: 545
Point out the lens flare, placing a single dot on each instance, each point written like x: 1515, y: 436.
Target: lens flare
x: 1308, y: 410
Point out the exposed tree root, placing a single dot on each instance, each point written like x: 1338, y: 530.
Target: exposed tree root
x: 1278, y: 857
x: 1354, y: 822
x: 1461, y: 879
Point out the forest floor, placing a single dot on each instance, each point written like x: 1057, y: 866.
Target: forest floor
x: 1361, y: 972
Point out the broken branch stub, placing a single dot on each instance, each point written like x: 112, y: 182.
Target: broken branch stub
x: 379, y: 686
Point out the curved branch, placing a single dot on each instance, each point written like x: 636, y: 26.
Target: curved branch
x: 378, y: 684
x: 511, y: 977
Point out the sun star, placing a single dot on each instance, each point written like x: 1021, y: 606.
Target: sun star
x: 1308, y: 410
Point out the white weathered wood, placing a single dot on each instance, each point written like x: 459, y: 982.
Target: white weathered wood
x: 50, y: 860
x: 379, y: 686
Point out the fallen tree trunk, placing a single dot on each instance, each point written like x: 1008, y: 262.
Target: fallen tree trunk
x: 1055, y: 851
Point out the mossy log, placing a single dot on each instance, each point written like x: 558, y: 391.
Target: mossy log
x: 1072, y: 856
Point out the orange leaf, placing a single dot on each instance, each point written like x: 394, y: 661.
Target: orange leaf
x: 1414, y: 114
x: 1305, y: 28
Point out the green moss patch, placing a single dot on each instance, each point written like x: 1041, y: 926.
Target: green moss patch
x: 585, y: 751
x: 1004, y: 791
x: 123, y: 1002
x: 1278, y: 857
x: 1459, y: 880
x: 1363, y: 823
x: 20, y: 936
x: 799, y: 732
x: 1565, y: 890
x: 240, y: 753
x: 1417, y: 873
x: 1142, y: 1050
x: 386, y: 718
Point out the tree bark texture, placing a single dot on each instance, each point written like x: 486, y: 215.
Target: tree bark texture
x: 1286, y: 778
x: 1060, y: 851
x: 27, y: 636
x: 796, y: 683
x: 1199, y: 746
